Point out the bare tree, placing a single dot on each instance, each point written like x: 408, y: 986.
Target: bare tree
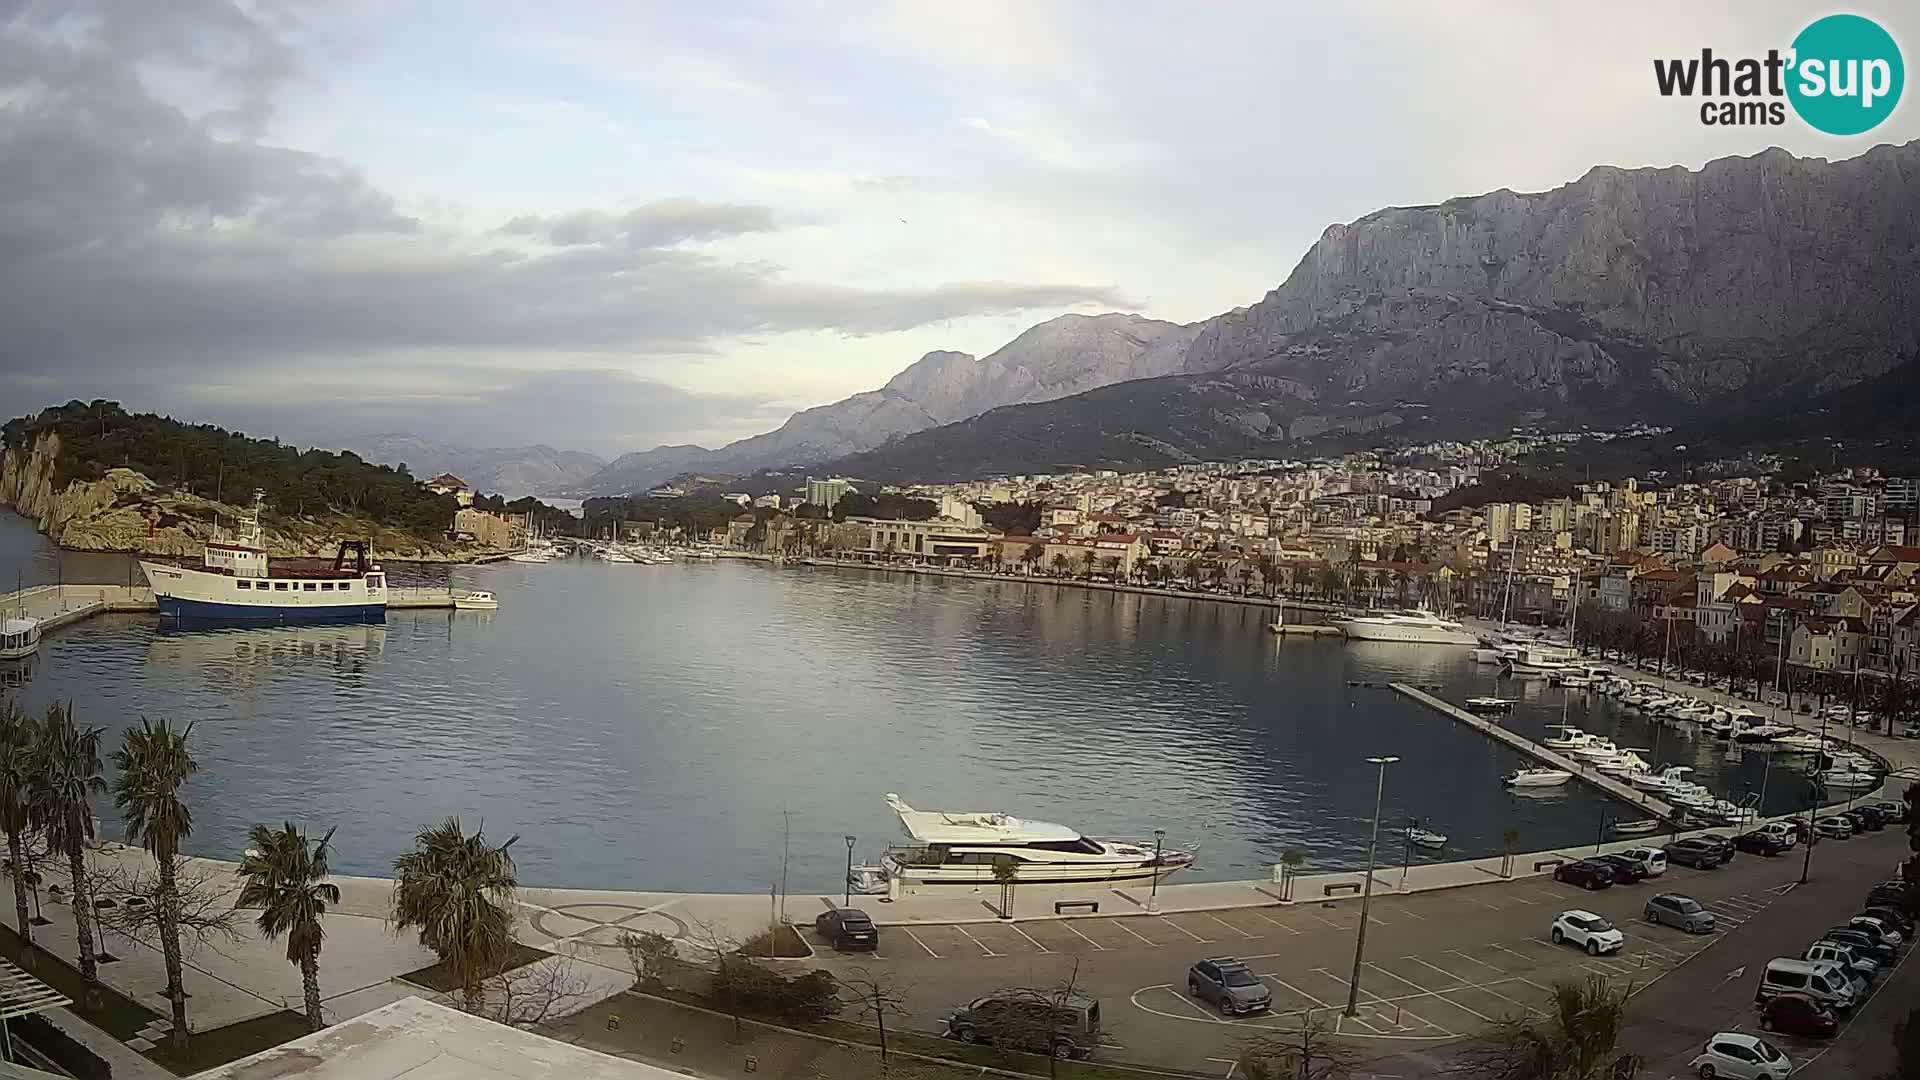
x: 1309, y: 1052
x: 532, y: 995
x: 651, y: 954
x: 876, y: 994
x: 1040, y: 1019
x: 723, y: 991
x: 204, y: 902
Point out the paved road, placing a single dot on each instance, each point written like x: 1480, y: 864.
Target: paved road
x: 1439, y: 966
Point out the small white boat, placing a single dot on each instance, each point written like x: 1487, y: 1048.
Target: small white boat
x: 19, y: 637
x: 1489, y: 705
x: 1537, y: 778
x: 1850, y: 778
x: 1570, y: 738
x: 529, y: 557
x: 1596, y: 750
x: 1489, y: 655
x: 476, y: 601
x: 1804, y: 743
x: 1426, y: 837
x: 1636, y: 828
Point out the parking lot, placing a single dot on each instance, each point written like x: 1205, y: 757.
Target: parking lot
x: 1439, y: 965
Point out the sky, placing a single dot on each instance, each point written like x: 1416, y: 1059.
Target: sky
x: 610, y: 225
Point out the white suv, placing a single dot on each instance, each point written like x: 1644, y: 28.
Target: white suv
x: 1589, y: 931
x: 1652, y: 859
x: 1781, y: 831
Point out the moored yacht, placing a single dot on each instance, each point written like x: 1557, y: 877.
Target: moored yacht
x: 1534, y: 777
x: 19, y: 637
x: 1569, y: 737
x: 1539, y: 658
x: 1407, y: 627
x: 962, y: 848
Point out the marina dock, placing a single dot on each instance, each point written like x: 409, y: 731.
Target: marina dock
x: 1624, y: 792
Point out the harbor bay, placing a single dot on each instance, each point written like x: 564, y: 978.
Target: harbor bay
x: 680, y: 727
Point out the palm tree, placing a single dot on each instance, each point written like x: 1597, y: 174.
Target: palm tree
x: 287, y: 881
x: 153, y: 762
x: 16, y: 780
x: 1060, y: 564
x: 1576, y: 1040
x: 456, y: 890
x: 67, y: 774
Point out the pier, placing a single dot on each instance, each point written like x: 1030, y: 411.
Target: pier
x: 1624, y: 792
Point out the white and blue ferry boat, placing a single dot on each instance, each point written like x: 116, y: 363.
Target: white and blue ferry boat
x: 239, y: 583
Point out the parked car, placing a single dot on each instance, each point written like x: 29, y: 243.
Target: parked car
x: 1587, y: 930
x: 1626, y: 871
x: 1694, y: 852
x: 1888, y: 893
x: 1786, y: 831
x: 1862, y: 820
x: 1893, y: 917
x: 1229, y: 985
x: 1798, y: 1014
x: 1863, y: 944
x: 1833, y: 827
x: 847, y: 928
x: 1066, y: 1026
x: 1876, y: 818
x: 1834, y: 952
x: 1724, y: 842
x: 1587, y: 873
x: 1804, y: 833
x: 1827, y: 983
x: 1736, y: 1056
x: 1759, y: 843
x: 1872, y: 926
x: 1679, y: 912
x: 1652, y: 859
x: 1894, y: 812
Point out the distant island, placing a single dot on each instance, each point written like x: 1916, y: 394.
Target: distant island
x: 94, y: 477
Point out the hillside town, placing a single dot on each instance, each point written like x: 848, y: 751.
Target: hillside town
x: 1824, y: 574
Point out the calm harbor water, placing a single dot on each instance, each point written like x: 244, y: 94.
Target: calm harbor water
x: 664, y: 727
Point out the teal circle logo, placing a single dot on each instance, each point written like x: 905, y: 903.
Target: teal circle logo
x: 1847, y: 74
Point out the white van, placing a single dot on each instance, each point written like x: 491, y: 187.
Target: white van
x: 1823, y: 981
x: 1652, y: 858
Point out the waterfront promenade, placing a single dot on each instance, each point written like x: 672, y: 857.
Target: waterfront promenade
x: 1250, y: 600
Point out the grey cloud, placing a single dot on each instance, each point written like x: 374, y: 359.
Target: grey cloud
x: 142, y: 251
x: 657, y: 224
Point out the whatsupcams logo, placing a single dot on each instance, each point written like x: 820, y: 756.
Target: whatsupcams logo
x: 1842, y: 75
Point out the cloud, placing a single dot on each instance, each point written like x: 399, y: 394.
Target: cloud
x: 657, y: 224
x: 153, y: 241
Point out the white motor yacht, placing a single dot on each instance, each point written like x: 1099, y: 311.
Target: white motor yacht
x: 1426, y: 837
x: 1538, y: 659
x: 1624, y: 763
x: 476, y: 601
x: 1536, y: 778
x: 1596, y: 750
x: 1405, y: 627
x: 1802, y: 742
x: 1759, y: 733
x: 961, y: 849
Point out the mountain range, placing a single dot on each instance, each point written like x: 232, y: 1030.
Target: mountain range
x: 1675, y: 296
x: 510, y: 471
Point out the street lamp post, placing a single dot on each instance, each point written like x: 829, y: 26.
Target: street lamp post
x: 846, y: 898
x: 1366, y: 892
x: 1153, y: 890
x: 1813, y: 799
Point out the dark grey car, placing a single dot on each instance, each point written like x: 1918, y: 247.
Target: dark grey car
x: 1229, y: 985
x: 1679, y: 912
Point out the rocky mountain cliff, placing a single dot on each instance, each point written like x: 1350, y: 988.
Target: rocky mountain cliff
x: 1057, y: 358
x: 1666, y: 294
x: 123, y: 510
x: 511, y: 471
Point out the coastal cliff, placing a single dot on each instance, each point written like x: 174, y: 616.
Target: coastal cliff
x: 124, y: 511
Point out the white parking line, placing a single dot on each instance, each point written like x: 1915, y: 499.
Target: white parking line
x: 1097, y: 946
x: 1194, y: 1005
x: 1457, y: 979
x: 1482, y: 963
x: 1228, y: 925
x: 1424, y: 992
x: 1029, y: 937
x: 1488, y: 989
x: 1296, y: 990
x: 1377, y: 1000
x: 1535, y: 985
x: 1121, y: 923
x: 1324, y: 919
x: 1482, y: 903
x: 1189, y: 933
x: 975, y: 940
x: 917, y: 941
x: 1278, y: 923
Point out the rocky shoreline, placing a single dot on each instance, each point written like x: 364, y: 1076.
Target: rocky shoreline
x: 126, y: 513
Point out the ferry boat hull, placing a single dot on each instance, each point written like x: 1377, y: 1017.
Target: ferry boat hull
x: 177, y: 607
x: 1405, y: 630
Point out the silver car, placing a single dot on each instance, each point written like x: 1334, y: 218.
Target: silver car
x: 1679, y: 912
x: 1229, y: 984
